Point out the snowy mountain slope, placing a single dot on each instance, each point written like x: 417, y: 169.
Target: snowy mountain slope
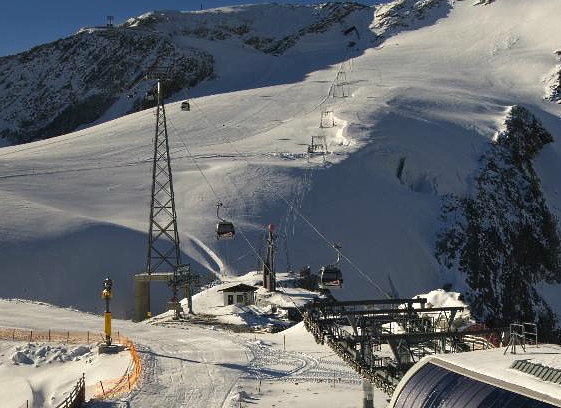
x: 94, y: 76
x: 55, y: 88
x: 76, y: 80
x: 423, y: 108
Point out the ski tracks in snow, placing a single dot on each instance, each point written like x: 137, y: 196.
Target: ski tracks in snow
x: 184, y: 371
x: 270, y: 363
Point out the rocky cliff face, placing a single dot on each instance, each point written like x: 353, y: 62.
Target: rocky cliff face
x: 408, y: 14
x: 553, y: 82
x: 54, y: 88
x: 503, y: 239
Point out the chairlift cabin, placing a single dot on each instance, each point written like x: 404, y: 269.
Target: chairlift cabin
x: 185, y: 106
x: 330, y: 277
x: 224, y: 229
x: 150, y: 95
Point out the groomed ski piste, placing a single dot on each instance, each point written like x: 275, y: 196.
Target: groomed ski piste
x: 183, y: 363
x: 75, y: 207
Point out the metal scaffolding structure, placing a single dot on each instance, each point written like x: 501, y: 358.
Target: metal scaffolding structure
x: 163, y: 261
x: 163, y: 240
x: 409, y: 332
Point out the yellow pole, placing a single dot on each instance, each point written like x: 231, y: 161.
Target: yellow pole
x: 107, y: 325
x: 106, y: 294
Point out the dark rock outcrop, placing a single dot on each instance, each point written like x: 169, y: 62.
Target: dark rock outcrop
x: 503, y: 240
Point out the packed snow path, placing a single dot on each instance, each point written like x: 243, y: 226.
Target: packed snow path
x: 187, y: 365
x: 181, y: 367
x: 273, y: 363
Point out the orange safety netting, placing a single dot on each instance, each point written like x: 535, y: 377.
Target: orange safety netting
x: 122, y: 385
x: 104, y: 389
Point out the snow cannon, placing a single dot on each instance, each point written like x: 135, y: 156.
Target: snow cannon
x: 106, y: 295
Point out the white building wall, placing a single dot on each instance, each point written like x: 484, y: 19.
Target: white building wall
x: 248, y: 298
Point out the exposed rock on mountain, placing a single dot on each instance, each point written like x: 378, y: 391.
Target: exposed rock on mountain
x: 503, y: 239
x: 400, y: 14
x: 553, y: 83
x: 59, y: 87
x: 259, y: 28
x: 54, y: 88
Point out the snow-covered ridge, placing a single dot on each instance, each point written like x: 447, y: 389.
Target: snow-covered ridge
x: 271, y: 28
x: 55, y: 88
x: 93, y: 76
x: 98, y: 70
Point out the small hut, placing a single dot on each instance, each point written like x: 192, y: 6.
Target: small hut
x: 239, y: 294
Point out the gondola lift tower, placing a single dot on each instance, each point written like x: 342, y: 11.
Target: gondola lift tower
x: 269, y: 274
x: 164, y: 256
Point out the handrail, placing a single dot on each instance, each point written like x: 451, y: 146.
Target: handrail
x: 77, y: 396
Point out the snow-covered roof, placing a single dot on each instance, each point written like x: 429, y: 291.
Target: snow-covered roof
x: 495, y: 367
x: 240, y: 287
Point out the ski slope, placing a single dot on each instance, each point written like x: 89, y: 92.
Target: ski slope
x: 431, y: 98
x: 75, y: 208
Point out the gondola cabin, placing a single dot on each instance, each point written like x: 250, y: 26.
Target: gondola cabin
x: 225, y: 230
x: 151, y: 95
x: 330, y: 277
x: 185, y: 106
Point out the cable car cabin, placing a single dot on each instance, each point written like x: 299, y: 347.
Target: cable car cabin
x: 225, y: 230
x: 185, y: 106
x: 330, y: 277
x: 151, y: 95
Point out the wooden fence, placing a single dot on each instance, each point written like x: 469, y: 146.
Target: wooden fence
x: 76, y: 397
x: 105, y: 389
x: 56, y: 336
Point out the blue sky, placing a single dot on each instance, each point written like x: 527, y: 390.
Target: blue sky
x: 24, y: 25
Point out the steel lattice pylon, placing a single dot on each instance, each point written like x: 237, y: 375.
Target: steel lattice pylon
x: 163, y: 241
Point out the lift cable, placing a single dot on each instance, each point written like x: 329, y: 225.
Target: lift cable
x: 217, y: 197
x: 240, y: 230
x: 239, y: 154
x: 193, y: 158
x: 27, y: 147
x: 296, y: 211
